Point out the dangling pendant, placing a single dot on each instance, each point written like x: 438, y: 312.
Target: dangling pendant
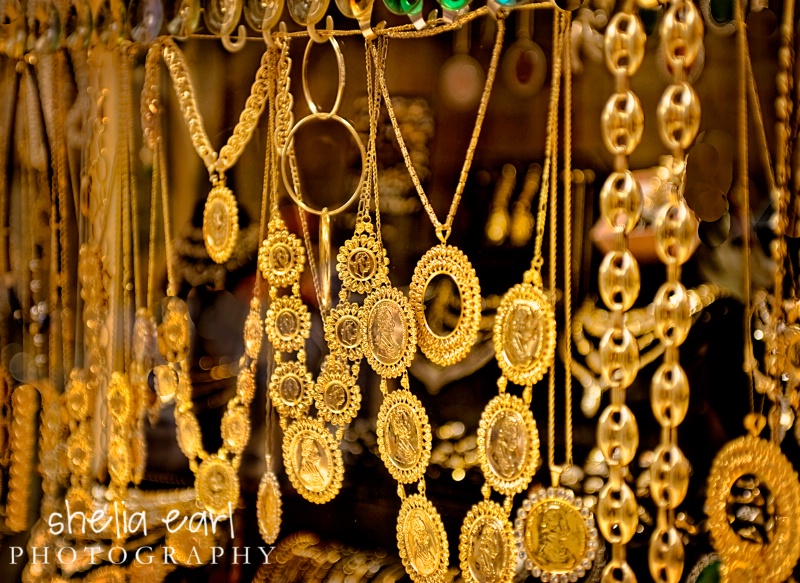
x: 268, y: 507
x: 421, y: 540
x: 313, y: 460
x: 220, y: 223
x: 217, y: 486
x: 486, y: 545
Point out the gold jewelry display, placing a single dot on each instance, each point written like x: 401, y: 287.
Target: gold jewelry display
x: 221, y: 215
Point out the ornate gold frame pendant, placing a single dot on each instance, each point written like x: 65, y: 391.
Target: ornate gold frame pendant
x: 281, y: 257
x: 217, y: 484
x: 173, y: 331
x: 451, y: 262
x: 361, y: 262
x: 336, y: 394
x: 421, y: 540
x: 388, y: 333
x: 343, y: 331
x: 486, y: 546
x: 220, y: 222
x: 556, y: 535
x: 404, y: 436
x: 525, y: 334
x: 313, y: 460
x: 268, y: 507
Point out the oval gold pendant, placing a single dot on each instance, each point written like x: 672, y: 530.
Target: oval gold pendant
x: 291, y: 389
x: 268, y: 507
x: 775, y: 559
x: 450, y: 262
x: 217, y: 486
x: 421, y: 540
x: 508, y: 444
x: 362, y: 264
x: 557, y: 534
x: 173, y: 331
x: 336, y: 394
x: 190, y: 548
x: 343, y: 331
x: 220, y: 223
x: 404, y: 436
x: 288, y: 323
x: 313, y: 460
x: 253, y: 330
x: 236, y: 428
x: 525, y: 334
x: 281, y: 257
x: 486, y: 546
x: 388, y: 333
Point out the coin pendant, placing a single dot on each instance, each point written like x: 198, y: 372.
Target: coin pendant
x: 343, y: 331
x: 291, y: 389
x: 404, y: 436
x: 421, y: 540
x: 557, y: 534
x: 288, y: 324
x: 448, y: 261
x: 268, y: 507
x: 281, y: 257
x: 190, y: 549
x: 217, y: 486
x: 362, y: 264
x: 486, y: 545
x: 336, y: 394
x: 388, y: 333
x: 508, y: 444
x: 313, y: 460
x: 525, y: 334
x: 220, y: 223
x: 173, y: 332
x: 253, y: 330
x: 236, y: 428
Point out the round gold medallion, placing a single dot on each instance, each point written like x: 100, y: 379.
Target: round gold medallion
x: 220, y: 223
x: 775, y: 558
x: 173, y: 332
x: 421, y: 540
x: 253, y: 330
x: 217, y: 486
x: 268, y: 507
x: 236, y: 428
x: 165, y: 382
x: 404, y: 436
x: 525, y: 334
x: 290, y: 389
x: 451, y: 262
x: 119, y: 397
x: 246, y: 385
x: 388, y: 333
x: 362, y: 264
x: 187, y: 431
x: 288, y: 323
x: 343, y: 331
x: 281, y: 257
x: 486, y: 546
x: 191, y: 548
x: 313, y: 460
x: 557, y: 535
x: 508, y: 444
x: 336, y: 394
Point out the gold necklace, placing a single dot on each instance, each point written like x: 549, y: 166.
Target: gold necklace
x: 220, y: 216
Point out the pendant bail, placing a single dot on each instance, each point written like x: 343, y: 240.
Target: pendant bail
x: 443, y: 233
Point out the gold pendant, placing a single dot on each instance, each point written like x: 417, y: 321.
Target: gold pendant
x: 165, y: 382
x: 404, y: 436
x: 268, y: 507
x: 253, y: 330
x: 448, y: 261
x: 362, y: 263
x: 190, y: 548
x: 78, y: 403
x: 774, y: 559
x: 119, y: 460
x: 508, y: 444
x: 336, y: 394
x: 288, y: 323
x: 486, y: 546
x: 246, y: 385
x: 525, y: 334
x: 421, y: 540
x: 281, y: 257
x: 187, y: 430
x: 388, y: 333
x: 343, y: 331
x: 220, y: 223
x: 119, y: 398
x: 557, y: 534
x: 313, y: 460
x: 173, y: 332
x: 291, y: 389
x: 236, y: 428
x: 217, y: 485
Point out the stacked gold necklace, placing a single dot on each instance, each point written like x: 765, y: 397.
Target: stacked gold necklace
x: 678, y: 123
x: 621, y: 206
x: 220, y: 216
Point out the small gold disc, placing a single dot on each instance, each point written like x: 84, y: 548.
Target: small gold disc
x: 525, y: 334
x: 288, y: 323
x: 557, y: 534
x: 220, y: 223
x: 388, y: 333
x: 508, y: 444
x: 336, y: 394
x: 217, y: 486
x: 291, y: 389
x: 268, y: 507
x: 421, y: 540
x: 165, y: 382
x: 486, y: 546
x: 313, y: 460
x: 246, y: 385
x: 404, y: 436
x: 173, y: 332
x: 236, y: 428
x: 751, y: 456
x: 187, y: 431
x: 253, y: 330
x: 343, y: 331
x: 362, y: 264
x: 451, y: 262
x: 281, y: 257
x: 191, y: 549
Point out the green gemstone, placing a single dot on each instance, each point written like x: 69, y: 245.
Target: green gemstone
x: 710, y: 574
x: 511, y: 2
x: 403, y: 7
x: 454, y: 5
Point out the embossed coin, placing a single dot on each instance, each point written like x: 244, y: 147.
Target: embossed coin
x: 236, y: 428
x: 336, y: 395
x: 268, y: 507
x: 557, y: 534
x: 253, y: 330
x: 281, y: 257
x: 508, y: 444
x: 404, y: 436
x: 290, y: 389
x: 220, y: 223
x: 217, y: 486
x: 361, y: 264
x: 525, y: 334
x: 343, y: 331
x: 486, y: 545
x: 191, y: 549
x: 288, y: 323
x: 388, y: 333
x: 421, y: 540
x: 313, y: 460
x: 173, y: 332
